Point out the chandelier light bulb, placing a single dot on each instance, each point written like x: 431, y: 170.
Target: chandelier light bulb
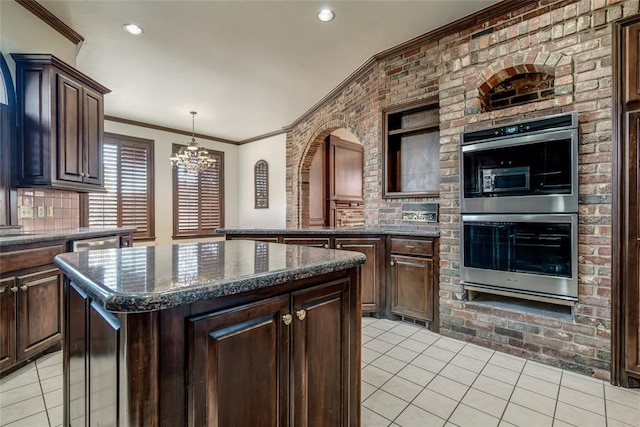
x: 191, y: 157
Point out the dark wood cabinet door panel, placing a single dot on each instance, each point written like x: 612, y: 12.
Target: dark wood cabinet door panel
x: 632, y: 58
x: 346, y: 178
x: 371, y: 271
x: 39, y: 311
x: 8, y: 291
x: 412, y: 287
x: 69, y: 128
x: 254, y: 341
x: 92, y: 131
x: 320, y: 356
x: 633, y: 242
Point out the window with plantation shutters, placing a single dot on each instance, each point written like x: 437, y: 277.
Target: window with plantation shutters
x: 198, y: 199
x: 128, y: 179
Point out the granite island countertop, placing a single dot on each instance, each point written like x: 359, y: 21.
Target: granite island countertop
x: 432, y: 231
x: 17, y: 236
x: 141, y: 279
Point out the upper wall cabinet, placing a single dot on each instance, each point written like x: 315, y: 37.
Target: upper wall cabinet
x: 60, y: 125
x: 412, y: 150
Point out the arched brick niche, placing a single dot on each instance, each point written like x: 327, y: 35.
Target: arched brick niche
x: 305, y: 164
x: 524, y: 78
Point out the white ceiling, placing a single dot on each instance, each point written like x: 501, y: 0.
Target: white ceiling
x: 247, y: 67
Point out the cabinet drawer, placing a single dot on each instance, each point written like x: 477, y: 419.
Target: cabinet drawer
x: 29, y: 258
x: 412, y: 246
x: 316, y: 242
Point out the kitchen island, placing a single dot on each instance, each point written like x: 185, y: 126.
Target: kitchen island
x: 233, y: 333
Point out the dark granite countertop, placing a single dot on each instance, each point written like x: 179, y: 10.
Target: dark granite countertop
x: 13, y: 236
x: 152, y: 278
x: 431, y: 231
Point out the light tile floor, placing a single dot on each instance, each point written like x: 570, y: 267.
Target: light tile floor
x: 411, y: 377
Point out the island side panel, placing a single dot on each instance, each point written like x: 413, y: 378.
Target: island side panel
x: 355, y: 345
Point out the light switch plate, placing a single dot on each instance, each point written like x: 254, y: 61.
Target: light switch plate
x: 49, y: 211
x: 25, y: 212
x: 41, y: 211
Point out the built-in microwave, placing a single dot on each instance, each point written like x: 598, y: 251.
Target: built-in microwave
x: 530, y: 167
x: 505, y: 180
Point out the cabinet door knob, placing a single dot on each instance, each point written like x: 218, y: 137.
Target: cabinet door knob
x: 301, y: 314
x: 392, y: 263
x: 287, y: 319
x: 14, y: 289
x: 326, y: 246
x: 24, y: 287
x: 338, y: 246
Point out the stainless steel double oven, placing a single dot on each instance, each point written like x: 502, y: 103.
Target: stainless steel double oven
x: 519, y: 205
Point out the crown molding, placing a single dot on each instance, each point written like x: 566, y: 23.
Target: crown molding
x: 263, y: 136
x: 53, y: 21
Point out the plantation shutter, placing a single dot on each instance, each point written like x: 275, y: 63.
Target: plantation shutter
x: 199, y: 199
x: 128, y: 181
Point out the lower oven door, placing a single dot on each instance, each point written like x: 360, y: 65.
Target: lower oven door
x: 535, y: 254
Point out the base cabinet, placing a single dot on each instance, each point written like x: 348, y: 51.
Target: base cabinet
x: 372, y: 270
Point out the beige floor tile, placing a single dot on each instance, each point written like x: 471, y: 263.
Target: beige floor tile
x: 403, y: 354
x: 507, y: 361
x: 414, y: 345
x: 485, y: 402
x: 366, y: 390
x: 375, y: 376
x: 503, y: 423
x: 468, y: 363
x: 372, y: 331
x: 581, y: 400
x: 36, y: 420
x: 477, y: 352
x: 49, y: 359
x: 447, y: 387
x: 524, y: 417
x: 435, y: 403
x: 583, y: 383
x: 428, y: 363
x: 414, y: 416
x: 615, y: 423
x: 378, y: 345
x: 416, y: 375
x: 539, y: 386
x: 558, y: 423
x: 19, y: 394
x: 465, y: 416
x: 425, y: 337
x: 385, y: 324
x: 53, y: 399
x: 385, y: 404
x: 22, y: 409
x: 542, y: 372
x: 621, y: 395
x: 623, y: 413
x: 493, y: 387
x: 389, y: 364
x: 50, y: 371
x: 391, y: 338
x: 50, y: 384
x: 449, y: 344
x: 501, y: 374
x: 368, y: 355
x: 439, y: 353
x: 371, y: 419
x: 537, y: 402
x: 458, y: 374
x: 404, y: 389
x: 406, y: 330
x: 578, y: 416
x: 55, y: 415
x: 19, y: 378
x: 366, y: 320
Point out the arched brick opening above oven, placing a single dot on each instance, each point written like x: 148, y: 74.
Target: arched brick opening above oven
x: 525, y: 77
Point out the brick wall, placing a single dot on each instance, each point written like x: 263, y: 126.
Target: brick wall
x: 570, y: 40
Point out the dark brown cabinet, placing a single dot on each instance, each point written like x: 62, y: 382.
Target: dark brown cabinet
x: 296, y: 344
x: 60, y: 125
x: 372, y: 271
x: 31, y: 303
x: 316, y: 242
x: 413, y: 289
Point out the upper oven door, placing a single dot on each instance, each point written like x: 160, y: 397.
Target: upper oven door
x: 534, y: 173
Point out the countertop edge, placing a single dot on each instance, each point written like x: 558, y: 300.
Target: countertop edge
x: 68, y: 234
x: 328, y: 231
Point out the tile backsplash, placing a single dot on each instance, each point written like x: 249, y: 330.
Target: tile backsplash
x: 64, y: 205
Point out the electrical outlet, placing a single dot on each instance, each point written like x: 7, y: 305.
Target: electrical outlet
x: 49, y: 211
x: 25, y: 212
x: 41, y: 212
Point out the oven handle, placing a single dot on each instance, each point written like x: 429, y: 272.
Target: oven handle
x: 560, y: 218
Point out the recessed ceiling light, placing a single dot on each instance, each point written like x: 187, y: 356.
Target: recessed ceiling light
x: 132, y: 29
x: 325, y: 15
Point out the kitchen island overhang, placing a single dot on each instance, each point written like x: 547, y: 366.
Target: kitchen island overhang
x: 217, y: 333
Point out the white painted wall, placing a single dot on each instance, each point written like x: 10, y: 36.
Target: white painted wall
x: 273, y: 150
x: 163, y: 176
x: 23, y: 32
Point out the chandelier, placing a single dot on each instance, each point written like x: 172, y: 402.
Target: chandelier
x: 192, y: 158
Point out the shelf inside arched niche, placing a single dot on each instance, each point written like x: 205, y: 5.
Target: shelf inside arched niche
x: 334, y: 195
